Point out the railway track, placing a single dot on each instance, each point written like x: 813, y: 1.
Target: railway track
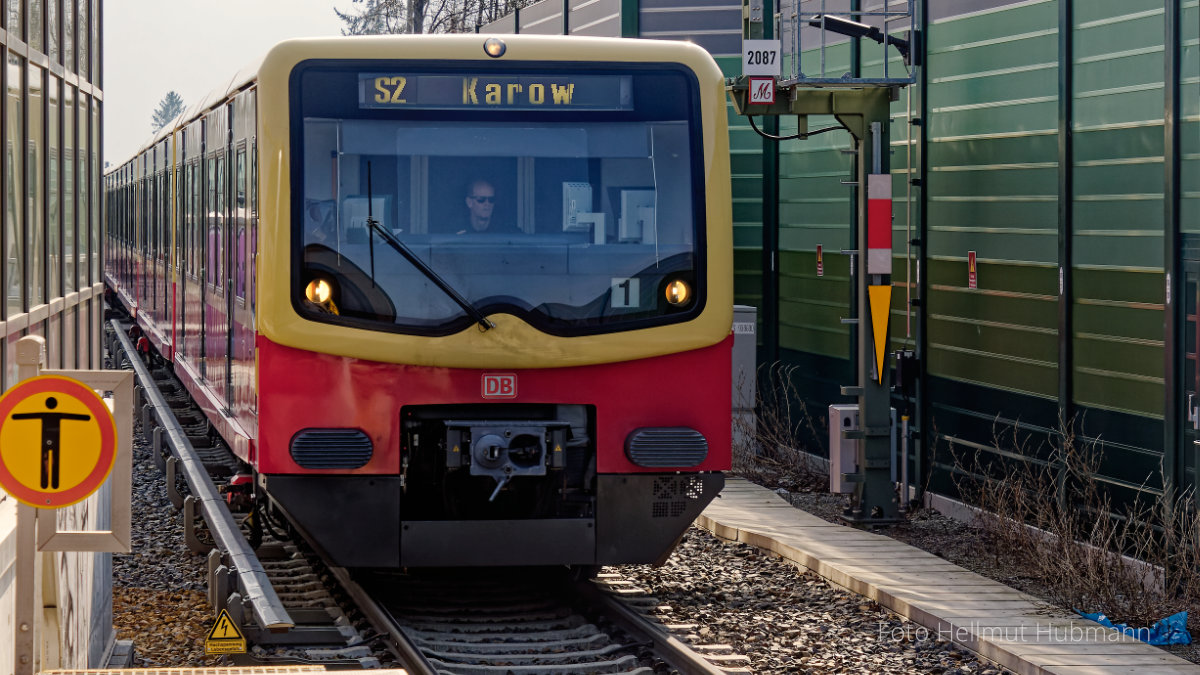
x: 464, y: 621
x: 276, y: 570
x: 527, y: 622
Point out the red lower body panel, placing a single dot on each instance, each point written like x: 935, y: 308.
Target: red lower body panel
x: 300, y: 389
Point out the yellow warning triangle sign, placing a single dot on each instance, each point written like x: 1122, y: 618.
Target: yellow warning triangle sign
x: 880, y: 298
x: 225, y: 637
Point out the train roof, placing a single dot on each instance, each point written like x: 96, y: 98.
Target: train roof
x: 367, y: 43
x: 212, y: 99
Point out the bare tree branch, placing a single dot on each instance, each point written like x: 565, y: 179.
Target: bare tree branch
x: 380, y: 17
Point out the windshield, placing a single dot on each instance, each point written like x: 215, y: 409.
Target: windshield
x: 575, y: 218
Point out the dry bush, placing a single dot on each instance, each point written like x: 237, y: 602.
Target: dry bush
x: 1057, y: 522
x: 769, y: 447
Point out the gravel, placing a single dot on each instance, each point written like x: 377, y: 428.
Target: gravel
x: 160, y: 596
x: 783, y: 619
x: 789, y: 620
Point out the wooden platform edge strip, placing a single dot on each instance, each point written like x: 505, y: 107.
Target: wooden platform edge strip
x: 231, y: 670
x: 1007, y: 645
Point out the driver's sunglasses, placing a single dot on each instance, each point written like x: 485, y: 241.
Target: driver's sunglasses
x: 484, y: 200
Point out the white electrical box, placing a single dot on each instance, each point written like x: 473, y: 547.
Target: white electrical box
x: 843, y: 452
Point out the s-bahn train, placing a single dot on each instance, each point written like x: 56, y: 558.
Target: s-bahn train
x: 452, y: 300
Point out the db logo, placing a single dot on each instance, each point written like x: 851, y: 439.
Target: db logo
x: 500, y: 385
x: 762, y: 90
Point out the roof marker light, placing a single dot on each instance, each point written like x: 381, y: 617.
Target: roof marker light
x: 494, y: 47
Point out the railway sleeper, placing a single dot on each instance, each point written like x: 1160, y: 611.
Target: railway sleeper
x: 483, y: 618
x: 284, y: 576
x: 586, y: 630
x: 316, y: 615
x: 187, y: 416
x: 727, y: 659
x: 330, y: 634
x: 217, y: 460
x: 271, y: 551
x: 486, y: 647
x: 358, y: 653
x: 198, y: 430
x: 324, y: 624
x: 524, y: 658
x: 442, y: 602
x: 308, y: 597
x: 451, y: 606
x: 299, y: 585
x: 625, y: 664
x: 326, y: 630
x: 708, y: 650
x: 565, y: 623
x: 288, y: 568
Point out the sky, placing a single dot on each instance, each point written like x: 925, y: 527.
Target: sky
x: 192, y: 47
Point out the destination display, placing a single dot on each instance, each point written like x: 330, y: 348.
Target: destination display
x: 507, y: 92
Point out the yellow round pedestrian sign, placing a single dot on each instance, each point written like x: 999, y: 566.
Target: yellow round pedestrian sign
x: 58, y: 441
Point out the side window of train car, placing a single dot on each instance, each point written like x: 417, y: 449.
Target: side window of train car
x: 210, y: 223
x: 194, y: 221
x: 160, y: 221
x: 222, y: 214
x: 253, y: 248
x: 239, y: 210
x: 186, y: 219
x: 165, y: 219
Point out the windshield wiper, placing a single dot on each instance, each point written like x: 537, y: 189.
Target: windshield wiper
x: 433, y: 276
x: 411, y: 257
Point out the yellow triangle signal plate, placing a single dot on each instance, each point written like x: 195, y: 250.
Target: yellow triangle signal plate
x: 880, y: 298
x: 225, y: 637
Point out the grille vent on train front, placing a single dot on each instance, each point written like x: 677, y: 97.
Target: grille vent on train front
x: 672, y: 494
x: 331, y: 448
x: 666, y: 447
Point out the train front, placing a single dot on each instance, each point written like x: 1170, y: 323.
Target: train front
x: 495, y: 297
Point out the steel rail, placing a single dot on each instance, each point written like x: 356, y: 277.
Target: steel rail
x: 268, y: 610
x: 409, y: 654
x: 677, y: 654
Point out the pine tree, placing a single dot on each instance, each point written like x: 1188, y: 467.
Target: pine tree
x: 168, y: 109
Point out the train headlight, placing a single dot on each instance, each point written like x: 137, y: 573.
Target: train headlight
x: 494, y: 47
x: 318, y: 291
x: 678, y: 292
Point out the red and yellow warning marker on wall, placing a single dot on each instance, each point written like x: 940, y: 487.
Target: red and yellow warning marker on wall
x: 879, y: 262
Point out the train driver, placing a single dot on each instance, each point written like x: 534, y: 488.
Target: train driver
x: 481, y: 207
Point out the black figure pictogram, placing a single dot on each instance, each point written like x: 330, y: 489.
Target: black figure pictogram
x: 50, y: 438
